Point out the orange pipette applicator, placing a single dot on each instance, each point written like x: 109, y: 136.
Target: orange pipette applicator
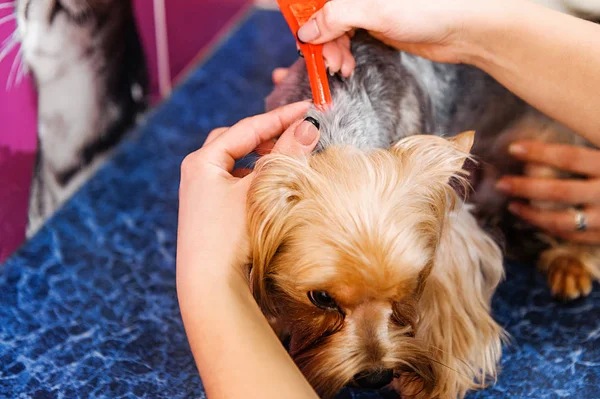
x: 297, y: 13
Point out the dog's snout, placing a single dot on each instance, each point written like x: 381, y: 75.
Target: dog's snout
x: 374, y: 379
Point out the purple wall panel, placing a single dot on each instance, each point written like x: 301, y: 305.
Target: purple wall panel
x: 17, y: 141
x: 194, y: 24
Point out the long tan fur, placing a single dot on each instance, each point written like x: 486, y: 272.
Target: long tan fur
x: 386, y: 236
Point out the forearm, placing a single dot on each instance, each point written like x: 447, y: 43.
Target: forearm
x: 236, y: 351
x: 550, y: 60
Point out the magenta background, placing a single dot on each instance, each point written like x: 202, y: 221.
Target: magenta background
x: 194, y: 24
x: 17, y: 148
x: 191, y: 26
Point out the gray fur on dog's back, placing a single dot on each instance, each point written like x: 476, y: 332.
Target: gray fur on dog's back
x: 392, y: 95
x: 365, y: 111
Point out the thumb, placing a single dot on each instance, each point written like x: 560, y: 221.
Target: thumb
x: 337, y: 18
x: 299, y: 139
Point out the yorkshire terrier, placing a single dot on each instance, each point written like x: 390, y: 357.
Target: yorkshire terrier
x: 371, y: 258
x: 374, y: 269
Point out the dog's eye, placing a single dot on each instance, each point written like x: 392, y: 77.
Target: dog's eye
x: 322, y: 300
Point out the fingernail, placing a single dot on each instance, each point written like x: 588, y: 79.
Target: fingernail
x: 308, y: 32
x: 503, y: 186
x: 308, y: 131
x: 514, y: 208
x: 517, y: 149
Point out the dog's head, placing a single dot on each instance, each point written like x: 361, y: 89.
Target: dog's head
x: 343, y: 245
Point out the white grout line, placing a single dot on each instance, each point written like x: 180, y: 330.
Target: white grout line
x: 162, y: 48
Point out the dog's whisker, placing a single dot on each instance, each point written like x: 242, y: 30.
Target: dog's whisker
x: 22, y: 71
x: 8, y: 46
x: 12, y: 75
x: 448, y: 367
x: 13, y: 37
x: 8, y: 38
x: 7, y: 18
x: 464, y: 362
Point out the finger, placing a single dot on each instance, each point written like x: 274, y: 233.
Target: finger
x: 265, y: 148
x: 344, y: 41
x: 338, y: 17
x: 279, y: 75
x: 348, y: 61
x: 333, y: 55
x: 566, y: 191
x: 212, y: 136
x: 589, y: 237
x: 269, y: 146
x: 300, y: 139
x: 245, y: 136
x: 579, y: 160
x: 555, y: 222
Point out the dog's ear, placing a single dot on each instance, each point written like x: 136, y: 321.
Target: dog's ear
x: 432, y: 156
x: 279, y: 185
x: 454, y: 309
x: 463, y: 142
x: 433, y: 168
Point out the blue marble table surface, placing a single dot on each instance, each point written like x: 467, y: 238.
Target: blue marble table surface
x: 88, y: 307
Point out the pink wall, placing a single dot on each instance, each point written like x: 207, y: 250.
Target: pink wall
x: 16, y: 99
x: 192, y: 27
x: 17, y: 142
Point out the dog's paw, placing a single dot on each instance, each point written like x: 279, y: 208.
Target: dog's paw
x: 568, y: 278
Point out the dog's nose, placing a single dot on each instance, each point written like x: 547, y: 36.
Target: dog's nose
x: 374, y: 379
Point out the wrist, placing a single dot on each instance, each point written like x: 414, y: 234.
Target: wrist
x: 216, y: 258
x: 207, y: 270
x: 204, y: 290
x: 484, y: 30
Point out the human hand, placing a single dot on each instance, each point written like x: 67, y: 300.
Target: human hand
x: 435, y: 30
x: 584, y: 193
x: 212, y: 236
x: 337, y: 55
